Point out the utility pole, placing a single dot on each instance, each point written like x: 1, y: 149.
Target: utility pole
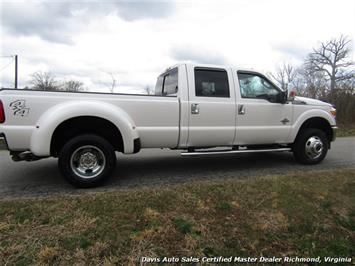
x: 16, y: 69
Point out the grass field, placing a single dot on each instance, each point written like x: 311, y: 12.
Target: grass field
x: 304, y: 214
x: 346, y: 130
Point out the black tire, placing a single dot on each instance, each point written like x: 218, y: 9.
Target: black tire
x: 87, y: 161
x: 311, y: 146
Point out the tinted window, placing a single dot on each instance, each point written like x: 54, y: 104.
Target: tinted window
x: 167, y: 84
x: 159, y: 86
x: 211, y: 83
x: 257, y: 87
x: 171, y: 82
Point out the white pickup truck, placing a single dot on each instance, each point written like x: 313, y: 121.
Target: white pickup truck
x: 194, y: 108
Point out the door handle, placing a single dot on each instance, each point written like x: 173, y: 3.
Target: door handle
x: 241, y: 109
x: 195, y: 108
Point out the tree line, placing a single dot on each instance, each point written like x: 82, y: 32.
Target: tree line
x: 45, y: 81
x: 327, y: 73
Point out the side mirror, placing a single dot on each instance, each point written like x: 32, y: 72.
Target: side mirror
x: 283, y: 97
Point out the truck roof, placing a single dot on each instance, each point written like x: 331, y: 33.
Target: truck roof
x: 213, y: 66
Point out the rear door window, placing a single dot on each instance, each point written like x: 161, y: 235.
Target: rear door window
x: 211, y: 83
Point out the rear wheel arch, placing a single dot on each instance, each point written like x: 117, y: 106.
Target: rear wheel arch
x: 76, y: 126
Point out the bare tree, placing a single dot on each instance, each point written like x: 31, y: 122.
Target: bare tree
x: 113, y: 84
x: 44, y: 81
x: 73, y: 86
x: 311, y: 83
x: 347, y: 85
x: 285, y: 75
x: 333, y: 59
x: 147, y: 90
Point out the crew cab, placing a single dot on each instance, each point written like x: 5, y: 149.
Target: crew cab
x: 194, y: 108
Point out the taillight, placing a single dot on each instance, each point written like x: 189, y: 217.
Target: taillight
x: 2, y: 113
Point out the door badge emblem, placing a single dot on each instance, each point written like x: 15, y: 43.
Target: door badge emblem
x: 19, y: 108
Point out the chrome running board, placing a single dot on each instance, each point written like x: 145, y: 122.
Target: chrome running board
x: 198, y: 153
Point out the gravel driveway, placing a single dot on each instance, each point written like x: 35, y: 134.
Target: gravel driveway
x: 157, y: 167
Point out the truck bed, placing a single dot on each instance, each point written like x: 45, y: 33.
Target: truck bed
x: 156, y: 118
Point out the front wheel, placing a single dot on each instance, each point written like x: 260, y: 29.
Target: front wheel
x: 311, y: 146
x: 87, y: 161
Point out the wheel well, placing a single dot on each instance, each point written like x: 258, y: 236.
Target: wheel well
x: 85, y: 125
x: 319, y: 123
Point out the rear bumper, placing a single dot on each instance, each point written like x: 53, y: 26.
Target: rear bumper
x: 334, y: 133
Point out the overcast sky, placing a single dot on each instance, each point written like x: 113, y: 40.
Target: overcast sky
x: 136, y: 40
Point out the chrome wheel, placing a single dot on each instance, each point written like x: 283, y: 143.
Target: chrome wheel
x: 314, y: 147
x: 88, y: 161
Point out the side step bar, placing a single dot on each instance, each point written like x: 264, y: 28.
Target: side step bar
x: 198, y: 153
x: 24, y: 156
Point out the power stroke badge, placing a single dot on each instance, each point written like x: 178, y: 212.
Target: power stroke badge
x: 19, y: 108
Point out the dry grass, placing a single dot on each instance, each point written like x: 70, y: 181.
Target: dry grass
x: 346, y: 130
x: 300, y: 214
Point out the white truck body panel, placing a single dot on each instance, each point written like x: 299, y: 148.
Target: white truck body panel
x: 303, y: 112
x: 215, y: 123
x: 134, y: 116
x: 160, y: 121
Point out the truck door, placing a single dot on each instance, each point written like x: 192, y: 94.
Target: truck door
x: 212, y: 108
x: 261, y: 117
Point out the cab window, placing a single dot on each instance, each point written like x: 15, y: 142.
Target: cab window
x: 257, y: 87
x: 167, y: 84
x: 211, y: 83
